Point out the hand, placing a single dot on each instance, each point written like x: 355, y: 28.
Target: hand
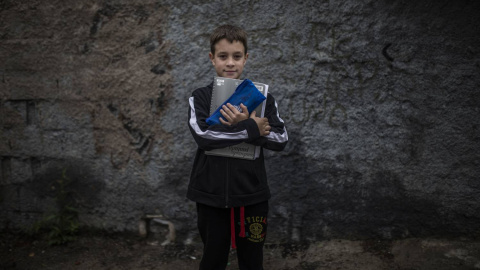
x: 262, y: 123
x: 233, y: 115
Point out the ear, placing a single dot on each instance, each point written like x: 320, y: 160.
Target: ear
x: 245, y: 59
x: 210, y: 55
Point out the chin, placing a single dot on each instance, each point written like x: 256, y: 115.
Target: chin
x: 231, y: 76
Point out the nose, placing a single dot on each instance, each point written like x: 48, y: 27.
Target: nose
x: 230, y: 61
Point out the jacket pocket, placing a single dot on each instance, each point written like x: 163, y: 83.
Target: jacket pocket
x: 208, y: 177
x: 248, y: 177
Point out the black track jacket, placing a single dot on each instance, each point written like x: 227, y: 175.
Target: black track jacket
x: 230, y: 182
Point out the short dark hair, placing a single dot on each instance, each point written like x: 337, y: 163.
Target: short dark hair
x: 231, y: 33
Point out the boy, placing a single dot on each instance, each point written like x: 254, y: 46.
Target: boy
x: 231, y: 194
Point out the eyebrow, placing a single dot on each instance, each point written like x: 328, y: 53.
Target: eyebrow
x: 239, y: 52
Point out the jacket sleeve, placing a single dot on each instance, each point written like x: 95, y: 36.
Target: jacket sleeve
x: 278, y: 137
x: 216, y: 136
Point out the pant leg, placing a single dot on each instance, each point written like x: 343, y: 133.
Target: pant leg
x: 250, y: 247
x: 214, y: 227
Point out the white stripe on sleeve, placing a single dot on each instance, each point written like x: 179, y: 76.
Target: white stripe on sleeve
x: 277, y: 137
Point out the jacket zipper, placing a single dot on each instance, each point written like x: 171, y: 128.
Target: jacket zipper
x: 226, y: 184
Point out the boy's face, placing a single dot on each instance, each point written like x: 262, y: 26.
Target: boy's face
x: 229, y: 58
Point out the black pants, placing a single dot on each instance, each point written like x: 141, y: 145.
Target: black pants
x: 214, y: 226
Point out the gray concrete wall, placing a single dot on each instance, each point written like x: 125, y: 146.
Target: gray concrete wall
x: 381, y: 101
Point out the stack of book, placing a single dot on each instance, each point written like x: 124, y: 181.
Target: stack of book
x: 223, y: 88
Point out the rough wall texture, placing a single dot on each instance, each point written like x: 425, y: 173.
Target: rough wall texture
x: 381, y: 101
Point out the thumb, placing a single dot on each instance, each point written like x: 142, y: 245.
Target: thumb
x: 254, y: 114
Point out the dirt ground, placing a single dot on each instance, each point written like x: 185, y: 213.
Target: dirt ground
x: 99, y: 251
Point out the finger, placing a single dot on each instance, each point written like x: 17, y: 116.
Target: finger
x: 244, y: 108
x: 230, y: 113
x: 268, y: 128
x: 226, y: 115
x: 232, y: 108
x: 227, y: 109
x: 224, y: 122
x: 254, y: 113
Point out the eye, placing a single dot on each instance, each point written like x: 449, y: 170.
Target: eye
x: 222, y: 56
x: 237, y: 57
